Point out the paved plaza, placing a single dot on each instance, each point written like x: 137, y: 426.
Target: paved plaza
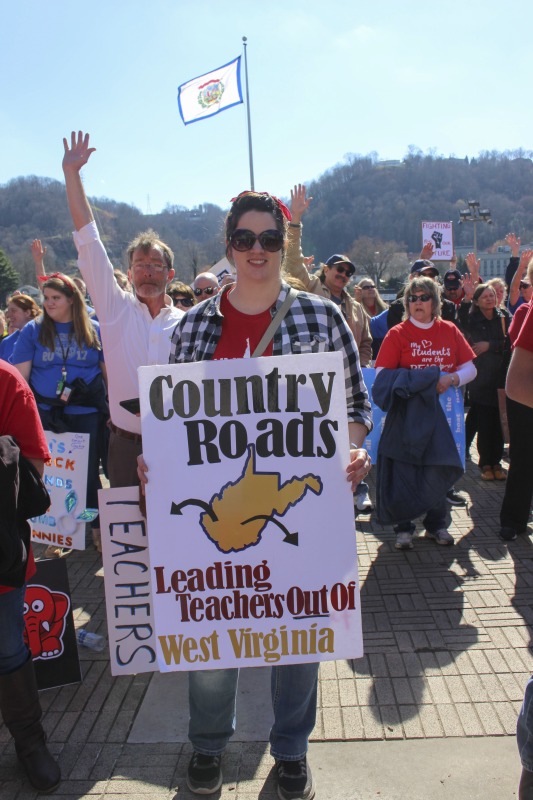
x: 429, y: 712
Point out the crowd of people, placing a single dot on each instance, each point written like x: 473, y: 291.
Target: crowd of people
x: 80, y: 353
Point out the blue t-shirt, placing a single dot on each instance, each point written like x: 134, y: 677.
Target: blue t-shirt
x: 7, y: 345
x: 80, y: 362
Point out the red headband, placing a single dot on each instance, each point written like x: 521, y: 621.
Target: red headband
x: 282, y: 207
x: 67, y: 281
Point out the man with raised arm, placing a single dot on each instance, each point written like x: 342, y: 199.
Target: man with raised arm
x: 135, y: 328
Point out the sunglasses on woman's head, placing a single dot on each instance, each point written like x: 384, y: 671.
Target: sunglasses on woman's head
x: 243, y: 240
x: 184, y: 301
x: 208, y: 290
x: 413, y: 298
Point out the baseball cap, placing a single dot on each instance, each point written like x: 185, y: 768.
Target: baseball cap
x: 452, y: 279
x: 422, y: 265
x: 339, y: 259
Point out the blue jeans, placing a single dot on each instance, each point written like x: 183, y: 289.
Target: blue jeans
x: 436, y: 518
x: 524, y: 728
x: 212, y: 700
x: 13, y: 651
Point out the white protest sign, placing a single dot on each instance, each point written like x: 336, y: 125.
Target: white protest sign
x: 222, y: 269
x: 65, y: 477
x: 128, y: 593
x: 250, y: 516
x: 440, y: 235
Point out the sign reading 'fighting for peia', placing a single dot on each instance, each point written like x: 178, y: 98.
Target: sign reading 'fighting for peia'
x: 250, y: 515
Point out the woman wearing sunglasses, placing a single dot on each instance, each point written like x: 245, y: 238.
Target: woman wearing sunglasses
x: 182, y: 295
x: 423, y: 340
x: 230, y: 325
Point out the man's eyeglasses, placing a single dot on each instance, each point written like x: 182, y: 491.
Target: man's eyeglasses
x: 243, y: 240
x: 208, y: 290
x: 188, y: 302
x: 414, y: 298
x: 348, y: 271
x: 150, y: 267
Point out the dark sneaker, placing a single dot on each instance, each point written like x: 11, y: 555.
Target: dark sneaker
x: 455, y: 498
x: 204, y: 775
x: 508, y: 534
x: 441, y: 537
x: 295, y: 781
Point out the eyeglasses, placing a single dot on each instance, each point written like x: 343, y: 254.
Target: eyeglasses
x: 208, y: 290
x: 414, y: 298
x: 243, y: 240
x: 150, y: 267
x: 370, y: 286
x: 348, y: 271
x: 183, y: 301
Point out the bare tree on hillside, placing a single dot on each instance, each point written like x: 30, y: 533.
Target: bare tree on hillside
x: 377, y: 258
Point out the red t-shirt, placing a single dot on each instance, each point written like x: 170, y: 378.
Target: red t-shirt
x: 517, y: 321
x: 411, y: 347
x: 241, y: 333
x: 20, y: 419
x: 525, y: 337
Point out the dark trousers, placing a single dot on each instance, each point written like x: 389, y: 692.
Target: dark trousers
x: 489, y: 434
x: 516, y: 504
x: 436, y: 519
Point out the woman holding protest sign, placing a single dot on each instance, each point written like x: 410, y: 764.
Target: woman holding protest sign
x: 60, y: 355
x: 261, y: 315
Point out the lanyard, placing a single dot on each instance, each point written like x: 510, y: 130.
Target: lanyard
x: 61, y: 383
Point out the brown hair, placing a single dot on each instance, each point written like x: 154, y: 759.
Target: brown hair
x: 84, y: 330
x: 147, y: 240
x: 177, y: 287
x: 480, y: 288
x: 254, y: 201
x: 25, y: 303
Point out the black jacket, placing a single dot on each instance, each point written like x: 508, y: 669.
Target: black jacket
x: 418, y: 461
x: 492, y: 365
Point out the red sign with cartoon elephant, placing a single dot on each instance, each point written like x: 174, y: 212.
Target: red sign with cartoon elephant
x: 45, y: 619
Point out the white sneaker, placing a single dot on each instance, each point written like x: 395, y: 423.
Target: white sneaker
x: 363, y: 502
x: 404, y: 541
x: 441, y: 537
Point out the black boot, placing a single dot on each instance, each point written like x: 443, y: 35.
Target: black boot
x: 525, y: 790
x: 21, y: 710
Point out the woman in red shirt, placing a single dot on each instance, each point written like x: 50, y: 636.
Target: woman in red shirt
x: 422, y: 340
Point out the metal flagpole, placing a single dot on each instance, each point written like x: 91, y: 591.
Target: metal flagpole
x: 244, y: 39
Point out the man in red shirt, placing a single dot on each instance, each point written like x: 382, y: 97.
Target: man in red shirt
x: 19, y: 698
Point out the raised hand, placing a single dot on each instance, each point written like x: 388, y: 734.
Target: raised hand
x: 427, y: 252
x: 525, y: 258
x: 299, y: 202
x: 468, y: 287
x: 474, y: 265
x: 79, y: 152
x: 514, y: 243
x: 38, y: 252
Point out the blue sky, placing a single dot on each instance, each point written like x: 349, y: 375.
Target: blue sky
x: 326, y: 79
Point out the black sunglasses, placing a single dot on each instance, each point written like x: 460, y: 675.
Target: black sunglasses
x: 208, y: 290
x: 369, y: 286
x: 184, y: 301
x: 412, y: 298
x: 348, y: 271
x: 243, y: 240
x: 524, y: 285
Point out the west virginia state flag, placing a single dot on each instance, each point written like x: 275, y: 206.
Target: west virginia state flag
x: 210, y: 93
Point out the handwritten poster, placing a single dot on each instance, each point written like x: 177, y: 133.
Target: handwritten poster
x: 65, y: 477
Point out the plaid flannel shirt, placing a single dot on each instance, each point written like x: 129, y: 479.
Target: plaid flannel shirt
x: 311, y: 325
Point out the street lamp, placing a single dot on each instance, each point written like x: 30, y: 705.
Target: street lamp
x: 475, y: 214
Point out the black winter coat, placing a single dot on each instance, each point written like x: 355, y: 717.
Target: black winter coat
x: 492, y: 365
